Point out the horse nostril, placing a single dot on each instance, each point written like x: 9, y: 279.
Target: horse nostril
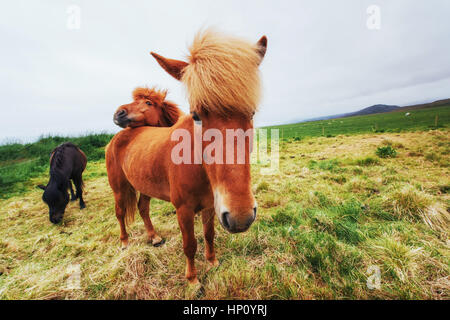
x: 225, y: 221
x: 121, y: 113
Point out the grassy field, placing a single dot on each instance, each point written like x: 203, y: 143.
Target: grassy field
x: 420, y: 119
x: 336, y: 211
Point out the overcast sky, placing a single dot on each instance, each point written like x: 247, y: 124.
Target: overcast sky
x: 321, y: 59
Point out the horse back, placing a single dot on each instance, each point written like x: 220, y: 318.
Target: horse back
x: 69, y: 159
x: 140, y: 157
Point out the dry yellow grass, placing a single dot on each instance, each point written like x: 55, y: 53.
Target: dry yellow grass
x: 327, y: 217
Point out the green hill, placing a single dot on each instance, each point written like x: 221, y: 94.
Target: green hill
x: 396, y: 121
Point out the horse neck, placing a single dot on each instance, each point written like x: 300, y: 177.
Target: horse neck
x: 57, y: 173
x: 58, y: 180
x: 185, y: 121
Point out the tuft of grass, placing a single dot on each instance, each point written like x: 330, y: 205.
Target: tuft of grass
x: 400, y: 260
x: 386, y: 152
x: 340, y: 221
x: 407, y: 202
x: 270, y: 200
x: 414, y: 154
x: 341, y: 179
x: 367, y: 161
x: 262, y: 186
x: 437, y: 217
x: 393, y: 144
x: 332, y: 165
x: 360, y: 185
x: 432, y: 156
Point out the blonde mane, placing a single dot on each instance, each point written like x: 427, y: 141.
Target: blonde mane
x: 222, y: 76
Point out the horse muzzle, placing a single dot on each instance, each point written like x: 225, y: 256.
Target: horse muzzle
x: 56, y: 218
x: 237, y: 224
x: 121, y: 118
x: 239, y: 219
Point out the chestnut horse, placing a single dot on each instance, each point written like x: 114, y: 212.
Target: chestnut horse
x: 223, y: 87
x: 149, y: 108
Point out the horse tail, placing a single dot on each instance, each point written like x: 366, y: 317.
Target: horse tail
x: 124, y: 193
x: 83, y: 166
x: 130, y: 203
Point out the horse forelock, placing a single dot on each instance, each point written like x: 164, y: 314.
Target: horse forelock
x: 152, y: 94
x: 222, y: 76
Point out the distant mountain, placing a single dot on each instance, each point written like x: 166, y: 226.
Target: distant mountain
x: 378, y: 108
x: 437, y: 103
x: 382, y: 108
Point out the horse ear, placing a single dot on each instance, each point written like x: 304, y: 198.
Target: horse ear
x: 164, y: 94
x: 262, y: 47
x: 173, y: 67
x: 41, y: 186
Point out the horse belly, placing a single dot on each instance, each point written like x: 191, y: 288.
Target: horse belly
x: 148, y: 178
x: 152, y: 189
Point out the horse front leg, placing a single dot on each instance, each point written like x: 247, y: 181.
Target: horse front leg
x: 208, y: 232
x: 185, y: 218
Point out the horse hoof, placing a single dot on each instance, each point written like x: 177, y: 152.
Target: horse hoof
x: 157, y: 242
x: 124, y: 244
x: 212, y: 264
x: 200, y: 292
x: 195, y: 289
x: 82, y: 207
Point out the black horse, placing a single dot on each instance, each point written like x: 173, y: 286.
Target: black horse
x: 67, y: 162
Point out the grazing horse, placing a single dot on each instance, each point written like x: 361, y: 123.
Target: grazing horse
x: 223, y: 87
x: 67, y: 162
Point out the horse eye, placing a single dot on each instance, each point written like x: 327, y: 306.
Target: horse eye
x: 148, y: 103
